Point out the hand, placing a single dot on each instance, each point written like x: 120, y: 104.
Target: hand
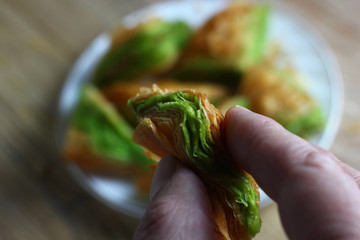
x: 179, y: 206
x: 318, y: 195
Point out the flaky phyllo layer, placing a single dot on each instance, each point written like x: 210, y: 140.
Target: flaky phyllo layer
x: 183, y: 123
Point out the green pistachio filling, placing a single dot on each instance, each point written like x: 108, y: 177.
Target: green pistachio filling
x: 244, y: 199
x: 254, y: 37
x: 193, y: 125
x: 247, y: 202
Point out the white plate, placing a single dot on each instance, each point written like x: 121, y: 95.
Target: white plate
x: 308, y: 51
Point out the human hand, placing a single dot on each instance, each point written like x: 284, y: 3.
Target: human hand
x: 179, y: 205
x: 318, y: 196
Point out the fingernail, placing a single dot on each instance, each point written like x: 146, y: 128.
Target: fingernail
x: 242, y: 108
x: 163, y: 173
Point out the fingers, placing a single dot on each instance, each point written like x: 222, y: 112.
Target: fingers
x: 317, y: 199
x: 179, y: 207
x: 353, y: 173
x: 263, y: 147
x: 164, y: 172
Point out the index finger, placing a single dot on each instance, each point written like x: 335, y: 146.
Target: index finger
x: 264, y: 148
x: 303, y: 179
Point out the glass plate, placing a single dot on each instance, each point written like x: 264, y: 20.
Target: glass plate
x: 309, y: 54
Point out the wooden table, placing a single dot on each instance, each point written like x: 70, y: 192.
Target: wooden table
x: 39, y: 42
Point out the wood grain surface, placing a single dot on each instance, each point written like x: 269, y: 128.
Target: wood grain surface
x: 39, y: 42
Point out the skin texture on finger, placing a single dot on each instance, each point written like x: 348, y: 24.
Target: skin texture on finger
x: 317, y: 197
x: 353, y: 173
x: 179, y: 207
x: 165, y: 170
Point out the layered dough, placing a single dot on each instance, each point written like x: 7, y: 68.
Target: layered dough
x: 161, y: 133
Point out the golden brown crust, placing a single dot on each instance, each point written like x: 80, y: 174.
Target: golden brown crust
x: 147, y: 135
x: 221, y: 230
x: 228, y: 228
x: 223, y: 28
x: 270, y: 96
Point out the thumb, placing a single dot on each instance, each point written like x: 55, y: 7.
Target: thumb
x: 179, y: 206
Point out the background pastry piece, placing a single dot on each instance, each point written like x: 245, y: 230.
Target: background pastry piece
x: 98, y: 140
x: 275, y: 92
x: 148, y: 49
x: 226, y: 45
